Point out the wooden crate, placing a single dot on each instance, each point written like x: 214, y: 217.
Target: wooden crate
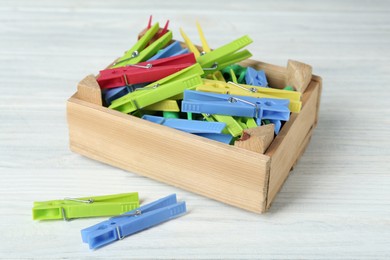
x: 226, y: 173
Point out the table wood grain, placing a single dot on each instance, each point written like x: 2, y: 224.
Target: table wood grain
x: 336, y: 202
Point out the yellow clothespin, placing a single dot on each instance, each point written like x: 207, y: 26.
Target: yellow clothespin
x: 252, y: 91
x: 165, y: 105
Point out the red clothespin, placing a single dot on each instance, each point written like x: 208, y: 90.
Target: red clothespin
x: 160, y: 33
x: 164, y: 30
x: 150, y: 22
x: 144, y: 71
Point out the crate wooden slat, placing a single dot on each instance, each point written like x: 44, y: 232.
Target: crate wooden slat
x: 229, y: 174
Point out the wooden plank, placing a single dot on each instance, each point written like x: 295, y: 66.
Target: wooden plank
x: 298, y: 75
x: 88, y: 90
x: 318, y: 79
x: 301, y: 150
x: 284, y: 150
x: 226, y: 173
x: 256, y: 139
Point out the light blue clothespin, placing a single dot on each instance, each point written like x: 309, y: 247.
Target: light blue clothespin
x: 117, y: 228
x: 224, y: 138
x: 277, y: 124
x: 173, y: 49
x: 256, y: 77
x: 223, y: 104
x: 189, y: 126
x: 115, y: 93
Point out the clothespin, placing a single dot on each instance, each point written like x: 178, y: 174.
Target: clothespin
x: 189, y: 126
x: 160, y: 32
x: 139, y: 53
x: 164, y: 30
x: 171, y: 50
x: 168, y: 114
x: 277, y: 124
x: 256, y: 139
x: 119, y: 227
x: 232, y: 126
x: 165, y: 88
x: 211, y: 103
x: 191, y: 46
x: 95, y: 206
x: 165, y: 105
x: 239, y: 71
x: 252, y: 91
x: 290, y: 88
x: 150, y: 22
x: 214, y: 60
x: 115, y: 93
x: 144, y: 72
x: 256, y: 77
x: 246, y: 122
x: 217, y: 75
x: 225, y: 55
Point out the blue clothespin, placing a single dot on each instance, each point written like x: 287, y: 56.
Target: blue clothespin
x: 189, y: 126
x: 173, y: 49
x: 117, y: 228
x: 224, y: 104
x: 256, y: 77
x: 115, y: 93
x: 224, y: 138
x: 277, y: 124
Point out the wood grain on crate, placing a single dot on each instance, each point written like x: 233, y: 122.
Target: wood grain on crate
x: 235, y: 176
x: 288, y: 145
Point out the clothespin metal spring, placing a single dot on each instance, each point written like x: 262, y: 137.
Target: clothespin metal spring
x: 253, y: 90
x: 214, y: 67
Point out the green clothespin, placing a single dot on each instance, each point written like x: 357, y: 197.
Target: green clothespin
x: 247, y: 122
x: 242, y: 73
x: 213, y: 60
x: 265, y: 122
x: 96, y: 206
x: 189, y: 115
x: 238, y: 70
x: 162, y: 89
x: 233, y: 76
x: 139, y: 53
x: 168, y: 114
x: 232, y: 126
x: 225, y: 55
x: 231, y: 59
x: 291, y: 88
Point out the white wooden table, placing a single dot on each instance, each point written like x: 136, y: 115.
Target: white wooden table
x: 336, y: 203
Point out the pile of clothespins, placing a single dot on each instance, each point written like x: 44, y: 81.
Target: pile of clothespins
x: 128, y: 217
x: 200, y: 92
